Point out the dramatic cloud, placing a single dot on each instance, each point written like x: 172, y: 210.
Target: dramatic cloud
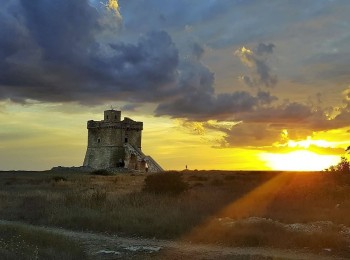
x: 205, y: 106
x: 65, y: 60
x: 196, y: 98
x: 258, y: 61
x: 92, y: 53
x: 53, y: 59
x: 113, y: 6
x: 264, y: 126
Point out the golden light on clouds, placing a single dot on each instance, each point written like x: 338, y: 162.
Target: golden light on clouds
x: 52, y: 137
x: 301, y: 155
x: 308, y: 142
x: 245, y: 56
x: 113, y: 6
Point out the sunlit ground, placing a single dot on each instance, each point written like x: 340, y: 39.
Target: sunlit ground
x: 254, y: 203
x: 301, y: 160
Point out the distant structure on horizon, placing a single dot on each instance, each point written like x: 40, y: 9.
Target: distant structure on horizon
x: 113, y: 143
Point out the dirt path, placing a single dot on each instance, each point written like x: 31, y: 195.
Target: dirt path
x: 103, y: 246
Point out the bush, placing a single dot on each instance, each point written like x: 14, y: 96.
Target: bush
x: 103, y: 172
x: 342, y: 167
x: 217, y: 182
x: 165, y: 183
x: 198, y: 178
x: 59, y: 178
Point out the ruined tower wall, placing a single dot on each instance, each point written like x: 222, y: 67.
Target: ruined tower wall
x: 106, y: 140
x: 103, y: 157
x: 99, y: 137
x: 132, y: 132
x: 105, y: 148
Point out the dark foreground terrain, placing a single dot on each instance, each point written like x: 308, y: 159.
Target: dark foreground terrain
x: 277, y: 210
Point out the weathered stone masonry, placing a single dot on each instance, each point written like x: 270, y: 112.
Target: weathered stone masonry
x: 112, y: 143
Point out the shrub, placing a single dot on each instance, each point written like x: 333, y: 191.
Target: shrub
x: 165, y: 183
x: 198, y: 178
x: 217, y: 182
x: 230, y: 177
x: 103, y: 172
x: 59, y: 178
x: 342, y: 167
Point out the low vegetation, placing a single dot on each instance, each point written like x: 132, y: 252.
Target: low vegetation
x: 102, y: 172
x: 343, y: 167
x: 165, y: 183
x: 20, y: 242
x: 209, y: 206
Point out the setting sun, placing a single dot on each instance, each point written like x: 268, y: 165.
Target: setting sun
x: 301, y: 160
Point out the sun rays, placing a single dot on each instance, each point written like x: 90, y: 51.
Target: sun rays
x: 253, y: 203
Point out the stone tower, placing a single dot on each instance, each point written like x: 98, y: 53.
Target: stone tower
x: 114, y: 143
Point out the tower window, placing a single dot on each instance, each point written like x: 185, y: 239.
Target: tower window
x: 98, y: 140
x: 107, y: 117
x: 126, y: 140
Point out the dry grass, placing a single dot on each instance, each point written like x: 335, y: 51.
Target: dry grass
x: 20, y: 242
x: 117, y: 204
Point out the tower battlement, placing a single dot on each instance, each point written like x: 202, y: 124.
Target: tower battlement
x: 126, y: 124
x: 112, y: 119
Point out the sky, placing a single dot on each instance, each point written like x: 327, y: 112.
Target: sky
x: 219, y: 84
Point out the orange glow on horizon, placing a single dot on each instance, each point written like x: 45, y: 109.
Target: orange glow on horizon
x: 301, y: 160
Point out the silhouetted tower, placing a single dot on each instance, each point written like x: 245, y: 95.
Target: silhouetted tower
x: 107, y: 139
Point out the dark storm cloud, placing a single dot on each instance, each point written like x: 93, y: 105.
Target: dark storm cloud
x: 50, y: 52
x: 63, y: 30
x: 64, y: 61
x: 204, y: 106
x: 147, y: 70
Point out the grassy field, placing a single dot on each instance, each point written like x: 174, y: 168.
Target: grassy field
x: 20, y: 242
x: 275, y: 209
